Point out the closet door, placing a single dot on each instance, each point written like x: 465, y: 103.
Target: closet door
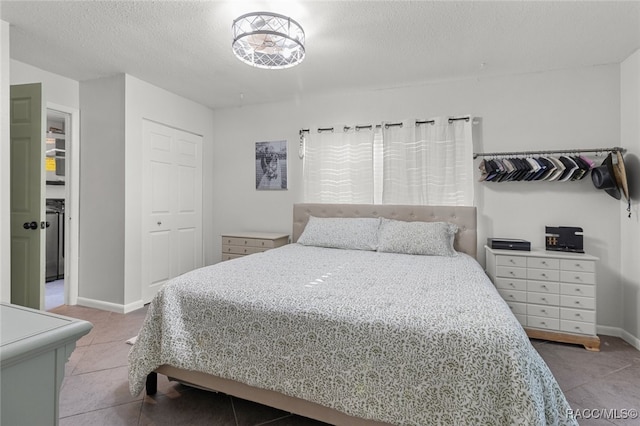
x: 172, y: 205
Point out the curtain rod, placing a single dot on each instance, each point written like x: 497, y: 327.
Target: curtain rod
x: 378, y: 126
x: 564, y: 151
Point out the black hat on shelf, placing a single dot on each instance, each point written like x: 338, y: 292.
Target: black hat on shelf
x: 604, y: 177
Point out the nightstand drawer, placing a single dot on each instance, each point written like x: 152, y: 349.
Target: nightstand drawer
x: 231, y: 241
x: 543, y: 263
x: 577, y: 327
x: 511, y: 284
x: 543, y: 287
x: 578, y: 315
x: 578, y: 290
x: 227, y: 256
x: 263, y: 243
x: 543, y: 311
x: 578, y: 265
x: 543, y: 274
x: 544, y: 323
x: 578, y: 302
x: 512, y: 272
x: 543, y: 299
x: 578, y: 277
x: 513, y: 295
x: 518, y: 261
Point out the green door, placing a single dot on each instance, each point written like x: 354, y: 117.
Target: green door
x: 27, y: 185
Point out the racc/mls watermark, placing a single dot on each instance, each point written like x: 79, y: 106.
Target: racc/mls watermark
x: 603, y: 413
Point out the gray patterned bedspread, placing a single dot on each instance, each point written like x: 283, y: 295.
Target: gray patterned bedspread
x: 408, y: 340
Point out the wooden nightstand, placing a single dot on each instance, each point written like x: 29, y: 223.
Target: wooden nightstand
x: 238, y: 244
x: 552, y: 294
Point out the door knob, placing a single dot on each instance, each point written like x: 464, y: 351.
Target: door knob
x: 30, y: 225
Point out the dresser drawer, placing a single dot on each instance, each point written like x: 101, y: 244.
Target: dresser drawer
x: 543, y: 287
x: 267, y: 244
x: 513, y: 295
x: 578, y: 315
x: 578, y: 290
x: 543, y: 263
x: 543, y: 311
x: 511, y: 284
x: 577, y: 302
x: 518, y: 261
x: 544, y: 323
x: 578, y: 327
x: 232, y: 241
x: 518, y: 308
x: 227, y: 256
x: 240, y: 249
x: 512, y: 272
x: 522, y: 319
x: 543, y: 274
x: 543, y: 299
x: 578, y: 277
x: 578, y: 265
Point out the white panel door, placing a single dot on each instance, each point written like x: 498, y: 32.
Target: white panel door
x: 172, y: 205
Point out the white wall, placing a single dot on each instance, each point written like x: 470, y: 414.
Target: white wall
x: 5, y: 163
x: 56, y: 88
x: 566, y: 109
x: 630, y: 229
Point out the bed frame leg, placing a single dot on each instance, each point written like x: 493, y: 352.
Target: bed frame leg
x: 152, y: 383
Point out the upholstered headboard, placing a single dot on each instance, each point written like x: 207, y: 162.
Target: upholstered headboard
x: 464, y: 217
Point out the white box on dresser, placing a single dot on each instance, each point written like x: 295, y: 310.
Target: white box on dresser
x: 238, y: 244
x: 552, y: 294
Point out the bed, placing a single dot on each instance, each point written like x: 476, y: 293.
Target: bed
x: 351, y: 331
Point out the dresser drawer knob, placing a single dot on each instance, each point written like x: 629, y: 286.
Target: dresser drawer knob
x: 577, y: 302
x: 512, y: 284
x: 544, y: 311
x: 578, y: 290
x: 544, y: 298
x: 578, y: 315
x: 543, y: 323
x: 544, y: 286
x: 578, y: 278
x: 512, y: 261
x: 511, y: 272
x: 578, y: 265
x: 544, y: 262
x: 577, y: 327
x: 543, y: 274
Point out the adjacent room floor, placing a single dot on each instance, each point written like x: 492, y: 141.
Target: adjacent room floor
x: 95, y: 390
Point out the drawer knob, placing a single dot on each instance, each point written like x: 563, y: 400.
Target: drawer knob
x: 578, y: 290
x: 578, y: 265
x: 544, y: 311
x: 245, y: 250
x: 578, y: 278
x: 544, y: 286
x: 577, y: 327
x: 543, y: 323
x: 512, y: 261
x: 577, y: 302
x: 543, y: 274
x: 544, y: 262
x: 578, y: 315
x: 512, y: 285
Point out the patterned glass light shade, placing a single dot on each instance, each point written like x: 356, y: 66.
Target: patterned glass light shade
x: 268, y: 40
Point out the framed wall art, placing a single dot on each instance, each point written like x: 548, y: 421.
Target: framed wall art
x: 271, y: 165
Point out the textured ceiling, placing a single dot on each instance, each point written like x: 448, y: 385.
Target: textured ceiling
x: 185, y: 47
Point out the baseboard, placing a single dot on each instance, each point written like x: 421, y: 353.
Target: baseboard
x: 108, y: 306
x: 619, y: 332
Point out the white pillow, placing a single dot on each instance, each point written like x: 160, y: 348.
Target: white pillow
x: 341, y: 232
x: 425, y: 238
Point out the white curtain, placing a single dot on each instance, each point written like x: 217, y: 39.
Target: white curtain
x: 428, y: 164
x: 338, y: 166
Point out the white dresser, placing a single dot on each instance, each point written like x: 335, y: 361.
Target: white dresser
x: 238, y: 244
x: 552, y: 294
x: 35, y: 347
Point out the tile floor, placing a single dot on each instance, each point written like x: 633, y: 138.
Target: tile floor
x: 95, y: 390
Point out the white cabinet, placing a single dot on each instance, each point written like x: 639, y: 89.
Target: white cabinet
x: 35, y: 346
x: 238, y: 244
x: 552, y: 294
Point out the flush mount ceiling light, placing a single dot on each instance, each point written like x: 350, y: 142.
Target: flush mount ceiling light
x: 268, y: 40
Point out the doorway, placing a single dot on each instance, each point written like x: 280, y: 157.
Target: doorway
x: 62, y: 197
